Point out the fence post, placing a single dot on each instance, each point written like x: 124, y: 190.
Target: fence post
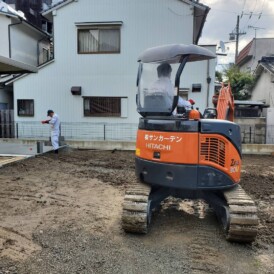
x: 16, y: 130
x: 250, y: 135
x: 104, y: 132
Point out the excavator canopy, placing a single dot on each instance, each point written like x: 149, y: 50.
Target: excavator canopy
x: 174, y: 53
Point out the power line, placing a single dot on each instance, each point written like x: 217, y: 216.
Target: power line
x: 237, y: 12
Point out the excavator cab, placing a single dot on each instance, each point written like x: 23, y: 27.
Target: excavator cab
x: 159, y: 73
x: 184, y: 156
x: 157, y: 94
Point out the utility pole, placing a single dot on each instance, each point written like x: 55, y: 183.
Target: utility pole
x: 236, y: 35
x: 237, y: 38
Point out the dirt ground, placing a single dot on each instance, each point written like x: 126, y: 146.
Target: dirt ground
x: 63, y: 216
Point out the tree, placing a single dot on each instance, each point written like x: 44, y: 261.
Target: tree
x: 241, y: 82
x: 219, y: 76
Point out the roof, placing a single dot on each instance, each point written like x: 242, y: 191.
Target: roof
x: 8, y: 10
x: 56, y: 5
x: 252, y: 104
x: 265, y: 63
x: 60, y: 3
x: 249, y: 103
x: 4, y: 78
x: 10, y: 66
x: 245, y: 54
x: 174, y: 53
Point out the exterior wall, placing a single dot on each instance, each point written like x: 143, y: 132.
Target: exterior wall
x: 253, y: 130
x: 246, y: 67
x: 264, y: 89
x: 270, y: 126
x: 4, y: 48
x: 145, y: 24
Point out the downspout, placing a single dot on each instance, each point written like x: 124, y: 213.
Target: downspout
x: 208, y: 80
x: 9, y: 27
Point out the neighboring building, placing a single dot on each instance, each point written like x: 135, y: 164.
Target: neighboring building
x: 249, y: 56
x: 96, y: 45
x: 264, y: 91
x: 32, y: 11
x: 23, y: 48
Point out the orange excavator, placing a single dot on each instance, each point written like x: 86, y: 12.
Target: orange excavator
x: 184, y: 155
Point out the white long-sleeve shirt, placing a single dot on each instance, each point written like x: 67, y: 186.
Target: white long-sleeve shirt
x: 55, y: 124
x: 184, y: 103
x: 165, y: 87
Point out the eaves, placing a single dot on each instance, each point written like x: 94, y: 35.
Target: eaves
x: 260, y: 68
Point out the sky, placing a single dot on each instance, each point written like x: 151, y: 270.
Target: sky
x: 256, y: 18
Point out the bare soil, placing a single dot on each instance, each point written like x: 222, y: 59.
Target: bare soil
x: 63, y: 216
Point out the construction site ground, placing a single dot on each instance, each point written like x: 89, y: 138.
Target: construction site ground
x: 64, y: 216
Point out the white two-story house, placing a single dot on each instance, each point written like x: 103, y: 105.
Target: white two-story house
x: 92, y: 78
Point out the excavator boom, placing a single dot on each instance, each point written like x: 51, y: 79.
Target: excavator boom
x: 225, y: 104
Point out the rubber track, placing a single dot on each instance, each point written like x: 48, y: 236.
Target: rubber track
x: 135, y: 209
x: 244, y: 221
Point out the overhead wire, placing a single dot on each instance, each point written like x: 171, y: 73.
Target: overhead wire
x: 260, y: 13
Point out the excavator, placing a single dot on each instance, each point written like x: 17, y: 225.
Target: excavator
x: 184, y: 155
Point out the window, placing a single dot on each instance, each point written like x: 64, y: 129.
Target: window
x: 102, y: 106
x: 25, y: 107
x: 99, y: 39
x: 196, y: 87
x: 183, y: 92
x: 45, y: 55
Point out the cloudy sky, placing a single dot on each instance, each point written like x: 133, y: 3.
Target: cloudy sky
x: 222, y: 17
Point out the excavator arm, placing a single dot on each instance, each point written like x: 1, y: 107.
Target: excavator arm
x: 225, y: 104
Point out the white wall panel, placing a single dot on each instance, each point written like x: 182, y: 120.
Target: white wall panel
x: 24, y: 43
x: 4, y: 48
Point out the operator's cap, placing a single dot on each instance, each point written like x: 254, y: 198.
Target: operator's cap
x: 191, y: 101
x: 50, y: 111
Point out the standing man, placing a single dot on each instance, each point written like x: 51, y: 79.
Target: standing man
x: 55, y: 129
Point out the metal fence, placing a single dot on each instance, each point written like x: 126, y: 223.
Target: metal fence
x: 250, y: 134
x: 253, y: 134
x: 79, y: 131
